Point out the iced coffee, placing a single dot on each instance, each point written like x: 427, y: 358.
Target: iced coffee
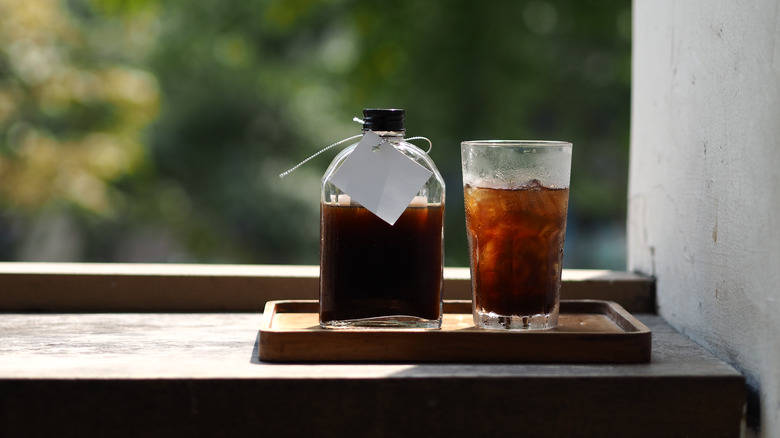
x: 516, y: 198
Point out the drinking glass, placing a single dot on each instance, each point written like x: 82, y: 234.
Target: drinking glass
x: 516, y: 198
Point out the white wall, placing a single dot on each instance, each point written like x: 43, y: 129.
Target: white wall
x: 704, y: 191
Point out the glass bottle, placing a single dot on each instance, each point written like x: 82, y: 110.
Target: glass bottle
x: 373, y: 274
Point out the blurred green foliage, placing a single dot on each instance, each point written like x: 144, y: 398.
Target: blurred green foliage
x: 185, y: 113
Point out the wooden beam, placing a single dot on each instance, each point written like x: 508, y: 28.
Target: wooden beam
x: 118, y: 287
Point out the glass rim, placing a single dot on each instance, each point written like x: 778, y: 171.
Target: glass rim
x: 516, y: 143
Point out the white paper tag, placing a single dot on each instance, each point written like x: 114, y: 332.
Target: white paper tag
x: 380, y: 177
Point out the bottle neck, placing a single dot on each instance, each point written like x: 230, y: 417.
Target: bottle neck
x: 391, y: 136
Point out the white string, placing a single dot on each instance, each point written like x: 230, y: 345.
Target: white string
x: 355, y: 119
x: 283, y: 174
x: 430, y: 143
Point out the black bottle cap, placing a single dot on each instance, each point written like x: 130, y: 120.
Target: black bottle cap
x: 378, y: 119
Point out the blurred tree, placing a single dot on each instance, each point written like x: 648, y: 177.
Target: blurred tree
x: 248, y: 89
x: 71, y: 122
x: 512, y: 70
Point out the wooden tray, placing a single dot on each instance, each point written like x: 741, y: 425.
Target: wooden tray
x: 589, y: 331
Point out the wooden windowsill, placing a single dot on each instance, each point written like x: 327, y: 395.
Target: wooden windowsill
x: 116, y: 287
x: 150, y: 372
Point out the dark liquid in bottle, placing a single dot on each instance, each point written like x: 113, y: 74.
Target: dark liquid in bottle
x: 369, y: 268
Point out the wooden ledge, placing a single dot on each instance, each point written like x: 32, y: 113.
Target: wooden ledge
x: 142, y: 374
x: 118, y: 287
x: 147, y: 367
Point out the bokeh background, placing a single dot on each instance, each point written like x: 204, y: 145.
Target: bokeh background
x: 155, y: 130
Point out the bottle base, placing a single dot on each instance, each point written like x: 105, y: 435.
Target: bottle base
x: 384, y: 322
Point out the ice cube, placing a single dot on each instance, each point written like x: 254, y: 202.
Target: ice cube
x: 534, y: 184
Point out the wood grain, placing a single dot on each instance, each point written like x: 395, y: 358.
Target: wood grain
x: 182, y: 374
